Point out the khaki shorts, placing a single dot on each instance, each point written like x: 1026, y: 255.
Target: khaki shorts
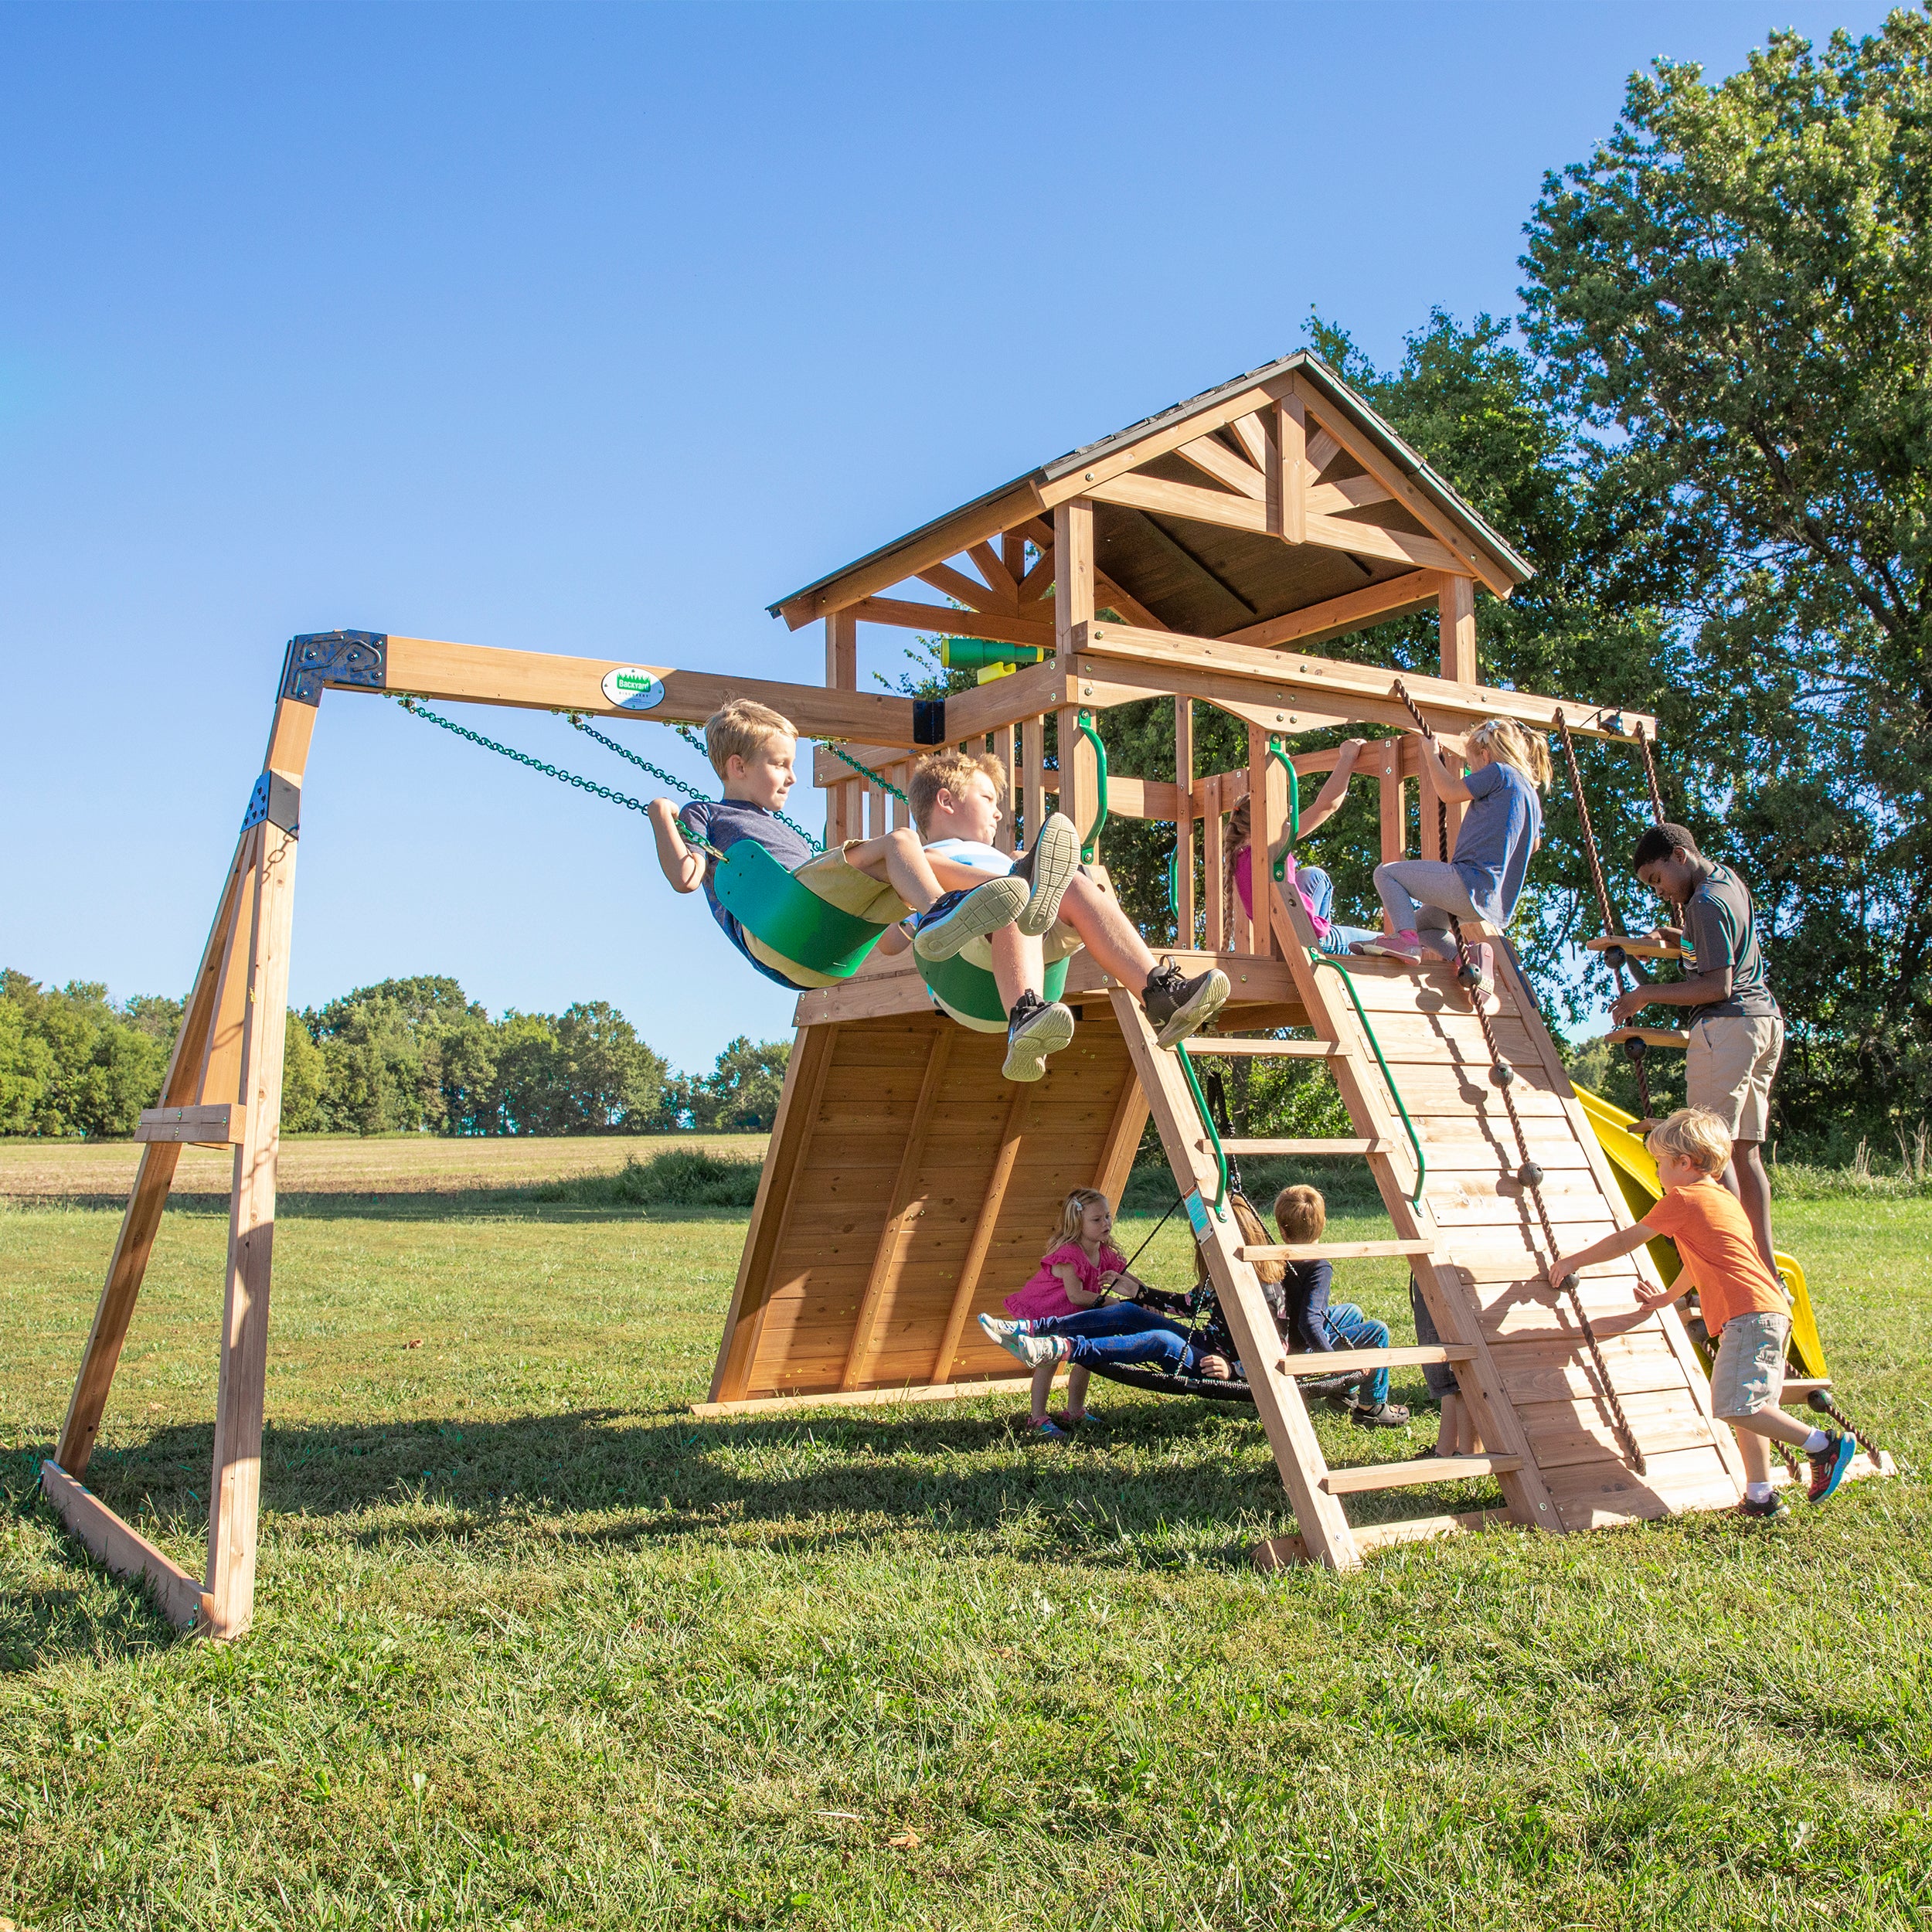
x: 835, y: 879
x: 1730, y: 1068
x: 1748, y: 1373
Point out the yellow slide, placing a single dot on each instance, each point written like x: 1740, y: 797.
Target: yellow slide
x: 1637, y: 1175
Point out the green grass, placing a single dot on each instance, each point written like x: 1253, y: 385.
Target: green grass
x: 534, y: 1647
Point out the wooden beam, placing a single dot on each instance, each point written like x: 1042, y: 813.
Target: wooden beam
x: 1073, y: 582
x: 947, y: 538
x: 1213, y: 866
x: 1039, y: 580
x: 1145, y: 449
x: 997, y: 627
x: 1000, y: 580
x: 1286, y: 671
x: 1334, y: 1251
x: 1372, y: 539
x: 1184, y: 820
x: 218, y: 1126
x: 1264, y: 829
x: 888, y: 1258
x: 234, y: 1491
x: 1373, y: 603
x: 1107, y: 593
x: 841, y: 652
x: 1349, y: 493
x: 1349, y: 1360
x: 863, y: 1398
x: 1186, y: 500
x: 142, y: 1220
x: 540, y: 681
x: 1123, y: 1140
x: 1012, y: 1132
x: 1406, y: 1475
x: 1214, y: 458
x: 956, y: 583
x: 1006, y: 749
x: 1033, y: 758
x: 123, y: 1549
x: 1248, y: 432
x: 1288, y: 479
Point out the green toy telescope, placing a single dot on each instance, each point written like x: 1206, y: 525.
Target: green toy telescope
x: 975, y: 654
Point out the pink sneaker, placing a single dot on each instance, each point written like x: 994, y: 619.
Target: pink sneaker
x: 1404, y: 946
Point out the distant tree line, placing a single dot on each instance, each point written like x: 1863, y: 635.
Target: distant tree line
x: 406, y: 1056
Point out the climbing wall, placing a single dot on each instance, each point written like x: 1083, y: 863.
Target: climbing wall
x: 908, y: 1187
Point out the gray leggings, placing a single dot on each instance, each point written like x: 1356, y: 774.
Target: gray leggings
x: 1419, y: 894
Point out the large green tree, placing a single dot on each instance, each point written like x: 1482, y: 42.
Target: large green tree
x: 1733, y: 294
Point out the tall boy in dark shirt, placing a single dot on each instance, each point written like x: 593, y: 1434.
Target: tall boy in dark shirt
x: 1737, y: 1032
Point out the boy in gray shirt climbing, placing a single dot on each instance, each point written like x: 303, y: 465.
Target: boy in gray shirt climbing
x: 1737, y: 1032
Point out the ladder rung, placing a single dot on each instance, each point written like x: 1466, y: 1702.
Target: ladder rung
x: 1638, y: 947
x: 1404, y: 1475
x: 1304, y: 1147
x: 1332, y: 1250
x: 1334, y: 1362
x: 1297, y: 1049
x: 1651, y: 1036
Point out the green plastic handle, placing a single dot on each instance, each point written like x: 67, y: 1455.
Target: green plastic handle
x: 1091, y: 843
x: 1322, y: 959
x: 1278, y: 753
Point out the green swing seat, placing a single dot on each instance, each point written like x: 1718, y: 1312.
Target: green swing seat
x: 790, y: 918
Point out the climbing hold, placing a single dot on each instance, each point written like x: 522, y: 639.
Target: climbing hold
x: 1637, y: 1046
x: 1469, y: 973
x: 1530, y: 1174
x: 1615, y: 958
x: 1820, y: 1399
x: 1502, y: 1073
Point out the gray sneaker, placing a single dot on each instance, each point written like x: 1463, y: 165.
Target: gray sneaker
x: 1034, y: 1030
x: 1177, y: 1007
x: 956, y: 919
x: 994, y: 1329
x: 1033, y: 1350
x: 1046, y: 871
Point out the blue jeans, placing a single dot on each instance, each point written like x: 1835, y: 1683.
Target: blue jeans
x: 1119, y: 1331
x: 1355, y: 1330
x: 1318, y: 895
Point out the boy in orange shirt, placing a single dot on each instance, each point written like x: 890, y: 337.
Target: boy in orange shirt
x: 1744, y: 1305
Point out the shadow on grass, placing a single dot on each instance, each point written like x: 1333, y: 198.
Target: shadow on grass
x: 428, y: 1204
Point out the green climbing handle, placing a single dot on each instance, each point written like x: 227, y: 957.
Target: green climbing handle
x: 1091, y: 843
x: 1207, y: 1120
x: 1323, y: 959
x: 1278, y: 753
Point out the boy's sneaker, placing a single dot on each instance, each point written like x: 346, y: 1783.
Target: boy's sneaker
x: 1033, y: 1350
x: 1772, y: 1510
x: 1034, y: 1029
x: 1046, y: 869
x: 1380, y: 1415
x: 1177, y: 1007
x: 1829, y: 1466
x: 997, y: 1329
x: 955, y: 919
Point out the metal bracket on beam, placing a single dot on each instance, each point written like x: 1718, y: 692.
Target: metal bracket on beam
x: 277, y: 800
x: 928, y: 721
x: 323, y: 658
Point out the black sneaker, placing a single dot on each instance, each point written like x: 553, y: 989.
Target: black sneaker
x: 1829, y: 1466
x: 1381, y: 1415
x: 1034, y: 1029
x: 1046, y: 868
x: 955, y: 919
x: 1177, y: 1007
x: 1772, y: 1510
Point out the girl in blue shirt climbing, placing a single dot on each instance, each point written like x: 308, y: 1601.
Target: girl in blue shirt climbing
x: 1507, y: 767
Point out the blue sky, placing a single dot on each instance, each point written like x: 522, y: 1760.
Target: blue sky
x: 596, y: 330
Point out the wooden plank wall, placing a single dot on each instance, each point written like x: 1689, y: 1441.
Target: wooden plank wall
x: 884, y: 1196
x: 1491, y: 1234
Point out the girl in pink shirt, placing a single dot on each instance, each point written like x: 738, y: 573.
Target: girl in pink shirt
x: 1316, y: 888
x: 1078, y: 1307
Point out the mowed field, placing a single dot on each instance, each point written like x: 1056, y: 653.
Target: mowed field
x: 534, y: 1647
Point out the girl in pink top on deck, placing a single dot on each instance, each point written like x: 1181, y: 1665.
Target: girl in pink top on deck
x: 1316, y: 888
x: 1079, y: 1307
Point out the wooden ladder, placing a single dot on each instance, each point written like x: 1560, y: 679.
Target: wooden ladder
x: 1314, y: 1488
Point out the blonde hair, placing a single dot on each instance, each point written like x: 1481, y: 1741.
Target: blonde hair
x: 741, y: 727
x: 952, y: 770
x: 1693, y: 1134
x: 1301, y: 1213
x: 1505, y: 740
x: 1254, y: 1231
x: 1073, y: 1211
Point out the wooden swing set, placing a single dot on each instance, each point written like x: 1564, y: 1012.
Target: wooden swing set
x: 1201, y: 556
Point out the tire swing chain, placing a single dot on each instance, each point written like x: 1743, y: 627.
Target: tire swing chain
x: 1634, y: 1047
x: 1502, y: 1075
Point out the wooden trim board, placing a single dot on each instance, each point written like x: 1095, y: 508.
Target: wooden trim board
x: 124, y: 1549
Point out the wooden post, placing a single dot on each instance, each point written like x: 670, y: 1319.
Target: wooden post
x: 1261, y: 823
x: 1395, y: 804
x: 1003, y: 742
x: 1286, y: 426
x: 841, y: 674
x: 1324, y: 1528
x: 1074, y: 605
x: 1183, y: 823
x: 1032, y: 744
x: 236, y: 1483
x: 1456, y: 623
x: 1213, y: 867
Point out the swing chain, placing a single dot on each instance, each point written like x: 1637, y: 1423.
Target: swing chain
x: 879, y: 778
x: 1569, y: 1286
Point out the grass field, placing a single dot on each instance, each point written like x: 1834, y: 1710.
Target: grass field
x: 533, y: 1647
